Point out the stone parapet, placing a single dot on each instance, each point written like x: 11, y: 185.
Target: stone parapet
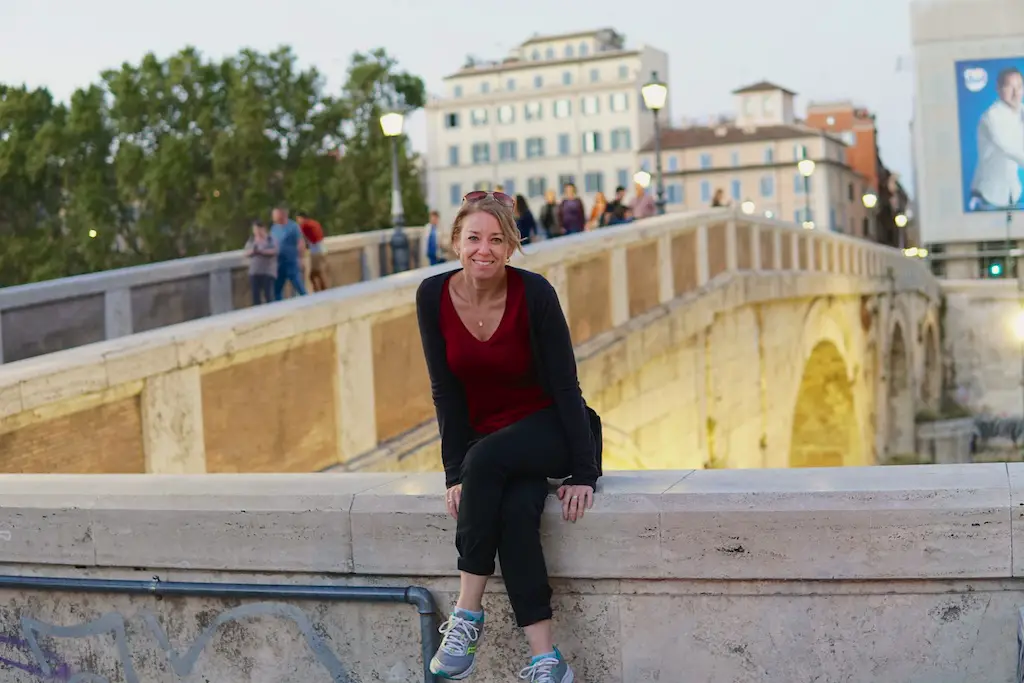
x: 49, y: 316
x: 892, y: 523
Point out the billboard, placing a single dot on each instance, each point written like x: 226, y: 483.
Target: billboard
x: 990, y: 93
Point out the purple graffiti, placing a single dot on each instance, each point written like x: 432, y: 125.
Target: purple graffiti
x: 59, y: 670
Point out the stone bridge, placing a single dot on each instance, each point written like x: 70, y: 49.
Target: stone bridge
x: 705, y: 340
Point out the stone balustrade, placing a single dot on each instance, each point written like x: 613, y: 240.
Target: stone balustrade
x: 342, y: 373
x: 49, y: 316
x: 879, y: 574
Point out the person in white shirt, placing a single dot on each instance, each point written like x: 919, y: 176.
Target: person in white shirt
x: 996, y: 181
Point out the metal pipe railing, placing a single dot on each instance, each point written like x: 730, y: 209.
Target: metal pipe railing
x: 417, y: 596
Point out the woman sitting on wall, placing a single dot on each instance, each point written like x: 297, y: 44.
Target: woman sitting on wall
x: 511, y: 415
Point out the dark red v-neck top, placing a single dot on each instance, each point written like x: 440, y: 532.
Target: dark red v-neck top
x: 498, y: 375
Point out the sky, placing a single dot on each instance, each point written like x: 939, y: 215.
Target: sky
x: 821, y: 49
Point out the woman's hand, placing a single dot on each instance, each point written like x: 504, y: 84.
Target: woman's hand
x: 575, y: 499
x: 452, y: 499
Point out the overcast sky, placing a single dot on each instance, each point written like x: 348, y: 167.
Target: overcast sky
x: 822, y: 49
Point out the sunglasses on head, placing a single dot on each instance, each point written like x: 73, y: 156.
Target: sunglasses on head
x: 500, y: 197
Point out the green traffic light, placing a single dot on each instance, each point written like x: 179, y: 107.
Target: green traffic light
x: 995, y: 269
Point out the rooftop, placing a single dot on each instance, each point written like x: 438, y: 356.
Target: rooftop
x: 727, y: 134
x: 761, y: 86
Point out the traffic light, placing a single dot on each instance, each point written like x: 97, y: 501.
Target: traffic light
x: 995, y: 269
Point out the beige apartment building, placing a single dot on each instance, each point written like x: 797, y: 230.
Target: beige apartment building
x: 557, y: 109
x: 753, y: 159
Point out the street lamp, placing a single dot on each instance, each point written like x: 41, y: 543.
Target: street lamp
x: 655, y: 93
x: 806, y: 168
x: 391, y: 123
x: 642, y: 178
x: 747, y: 207
x: 870, y: 199
x: 901, y: 222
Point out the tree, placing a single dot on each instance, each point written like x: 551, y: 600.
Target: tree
x: 170, y: 158
x: 375, y: 87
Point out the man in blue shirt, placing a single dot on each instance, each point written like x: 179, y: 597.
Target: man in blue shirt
x: 433, y: 240
x: 290, y: 245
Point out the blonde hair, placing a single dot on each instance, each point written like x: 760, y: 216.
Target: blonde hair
x: 501, y: 213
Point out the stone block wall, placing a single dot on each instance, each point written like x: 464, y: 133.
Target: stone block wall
x: 747, y: 575
x: 338, y: 380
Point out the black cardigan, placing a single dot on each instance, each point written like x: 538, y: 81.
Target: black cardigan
x: 555, y: 365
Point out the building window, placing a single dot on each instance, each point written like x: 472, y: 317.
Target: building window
x: 767, y: 186
x: 705, y: 160
x: 674, y: 193
x: 623, y: 72
x: 593, y: 182
x: 566, y: 179
x: 478, y: 116
x: 451, y: 119
x: 592, y: 141
x: 510, y: 187
x: 799, y: 152
x: 621, y: 140
x: 510, y: 84
x: 769, y: 155
x: 453, y: 155
x: 832, y: 218
x: 550, y: 53
x: 705, y: 191
x: 484, y: 185
x: 849, y: 191
x: 735, y: 159
x: 481, y: 153
x: 533, y: 111
x: 563, y: 108
x: 506, y: 114
x: 564, y: 144
x: 536, y: 186
x: 455, y: 194
x: 538, y: 81
x: 566, y: 78
x: 507, y: 150
x: 622, y: 176
x: 589, y: 105
x: 568, y: 52
x: 485, y: 87
x: 645, y: 165
x: 534, y: 148
x: 849, y: 137
x: 457, y: 91
x: 619, y: 102
x: 584, y: 49
x: 737, y: 189
x: 673, y: 163
x: 535, y: 55
x: 595, y: 75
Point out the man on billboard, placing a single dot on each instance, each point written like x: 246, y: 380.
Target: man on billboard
x: 996, y: 183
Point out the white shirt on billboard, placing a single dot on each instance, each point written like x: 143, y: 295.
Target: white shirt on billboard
x: 1000, y: 154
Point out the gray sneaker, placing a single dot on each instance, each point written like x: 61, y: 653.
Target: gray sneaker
x: 456, y: 657
x: 549, y: 670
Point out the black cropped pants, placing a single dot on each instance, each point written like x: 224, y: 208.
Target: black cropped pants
x: 504, y: 485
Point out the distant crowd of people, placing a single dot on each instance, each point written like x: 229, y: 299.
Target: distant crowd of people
x: 286, y: 253
x: 558, y: 217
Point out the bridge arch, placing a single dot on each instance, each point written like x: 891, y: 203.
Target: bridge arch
x: 826, y: 432
x: 825, y: 426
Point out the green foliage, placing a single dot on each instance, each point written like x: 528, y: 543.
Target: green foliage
x: 164, y: 159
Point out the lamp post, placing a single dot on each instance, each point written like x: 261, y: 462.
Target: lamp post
x: 655, y: 93
x: 747, y: 207
x: 901, y: 221
x: 870, y: 199
x: 642, y: 178
x: 806, y: 168
x: 391, y: 123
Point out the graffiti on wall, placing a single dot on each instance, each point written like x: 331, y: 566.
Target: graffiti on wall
x: 47, y: 666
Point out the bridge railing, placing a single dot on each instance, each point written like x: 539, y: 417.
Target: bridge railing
x: 338, y: 378
x: 54, y: 315
x: 672, y: 575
